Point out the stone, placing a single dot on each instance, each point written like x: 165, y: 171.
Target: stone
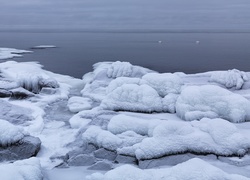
x: 125, y: 159
x: 25, y: 148
x: 21, y: 93
x: 15, y: 114
x: 82, y: 160
x: 5, y: 93
x: 86, y: 149
x: 101, y: 166
x: 105, y: 154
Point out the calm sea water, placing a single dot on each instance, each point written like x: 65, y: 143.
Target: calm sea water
x: 78, y: 51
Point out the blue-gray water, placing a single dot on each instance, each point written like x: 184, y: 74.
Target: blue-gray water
x: 77, y: 51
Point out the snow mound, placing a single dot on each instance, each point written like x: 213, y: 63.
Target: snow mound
x: 101, y: 138
x: 29, y: 169
x: 122, y: 123
x: 196, y: 102
x: 195, y: 169
x: 132, y: 97
x: 9, y: 134
x: 8, y: 53
x: 231, y: 78
x: 77, y: 104
x: 202, y: 137
x: 164, y: 83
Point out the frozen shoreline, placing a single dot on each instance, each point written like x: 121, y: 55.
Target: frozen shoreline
x: 134, y: 115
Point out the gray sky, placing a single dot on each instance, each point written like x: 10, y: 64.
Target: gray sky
x: 125, y: 14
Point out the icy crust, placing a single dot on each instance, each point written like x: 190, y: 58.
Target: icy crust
x: 29, y: 169
x: 196, y: 102
x: 230, y: 79
x: 195, y: 169
x: 8, y: 53
x: 28, y: 75
x: 9, y: 133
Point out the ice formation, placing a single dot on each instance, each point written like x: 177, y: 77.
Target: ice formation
x: 231, y: 78
x: 76, y: 104
x: 196, y: 102
x: 8, y: 53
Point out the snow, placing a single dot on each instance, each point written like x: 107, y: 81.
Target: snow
x: 9, y: 53
x: 164, y: 83
x: 9, y: 133
x: 195, y: 169
x: 229, y: 79
x: 196, y: 102
x: 202, y: 137
x: 132, y: 97
x: 29, y: 169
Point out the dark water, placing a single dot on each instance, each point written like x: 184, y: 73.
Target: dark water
x: 77, y: 51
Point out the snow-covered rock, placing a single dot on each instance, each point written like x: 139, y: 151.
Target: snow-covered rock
x: 77, y: 104
x: 101, y: 138
x: 132, y: 97
x: 196, y: 102
x: 164, y: 83
x: 202, y: 137
x: 9, y: 134
x: 231, y: 78
x: 195, y: 169
x: 29, y: 169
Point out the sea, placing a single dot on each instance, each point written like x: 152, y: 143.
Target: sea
x: 188, y: 52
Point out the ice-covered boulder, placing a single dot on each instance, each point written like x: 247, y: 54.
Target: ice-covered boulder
x: 77, y: 104
x: 118, y: 82
x: 200, y: 137
x: 195, y: 169
x: 28, y: 75
x: 196, y: 102
x: 164, y: 83
x: 132, y: 97
x: 9, y: 134
x: 101, y: 138
x: 29, y: 169
x: 112, y: 70
x: 15, y: 114
x: 231, y: 78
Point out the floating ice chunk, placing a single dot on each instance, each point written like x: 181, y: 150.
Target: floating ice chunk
x: 195, y: 168
x: 43, y: 47
x: 29, y: 169
x: 164, y: 83
x: 10, y: 134
x: 203, y: 137
x: 8, y: 53
x: 102, y: 138
x: 77, y: 104
x: 231, y: 78
x: 196, y: 102
x: 132, y: 97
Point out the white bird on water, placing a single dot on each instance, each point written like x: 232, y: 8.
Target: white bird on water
x: 197, y: 42
x: 159, y: 42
